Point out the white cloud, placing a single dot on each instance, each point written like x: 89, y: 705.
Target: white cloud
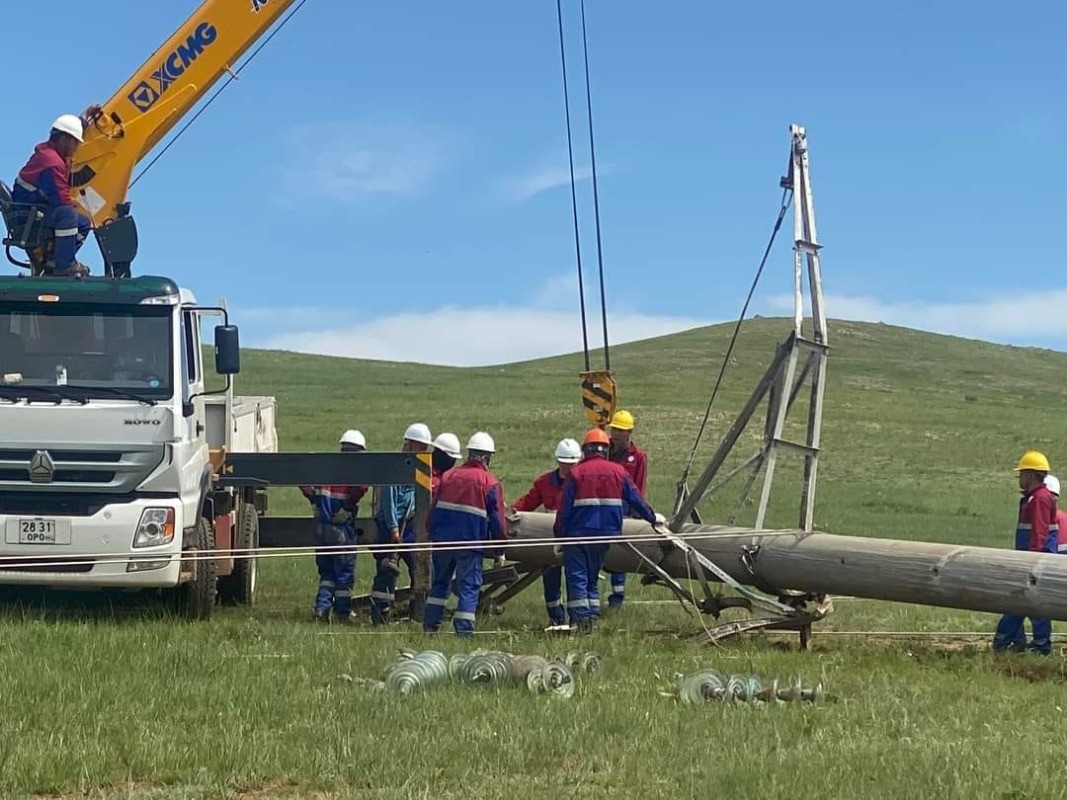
x: 469, y: 337
x: 543, y: 179
x: 549, y: 325
x: 352, y: 160
x: 455, y: 336
x: 1010, y: 318
x: 559, y: 292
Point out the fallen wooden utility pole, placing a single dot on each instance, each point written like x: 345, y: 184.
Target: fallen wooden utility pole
x: 924, y: 573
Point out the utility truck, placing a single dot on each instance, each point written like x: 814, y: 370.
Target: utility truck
x: 110, y: 440
x: 110, y: 443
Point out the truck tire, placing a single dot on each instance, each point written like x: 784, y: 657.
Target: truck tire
x: 196, y: 599
x: 239, y: 588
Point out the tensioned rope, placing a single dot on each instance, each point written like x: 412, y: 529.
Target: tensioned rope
x: 787, y: 199
x: 29, y: 561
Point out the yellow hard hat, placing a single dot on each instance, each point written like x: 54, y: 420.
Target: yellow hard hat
x: 622, y: 420
x: 1034, y: 460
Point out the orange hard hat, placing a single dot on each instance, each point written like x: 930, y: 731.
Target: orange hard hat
x: 596, y: 436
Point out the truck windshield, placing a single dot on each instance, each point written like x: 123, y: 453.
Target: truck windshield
x: 92, y: 348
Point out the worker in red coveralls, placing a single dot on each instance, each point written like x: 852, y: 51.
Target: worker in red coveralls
x: 546, y: 492
x: 635, y: 462
x: 1036, y: 531
x: 1052, y: 483
x: 45, y: 180
x: 467, y: 513
x: 594, y: 496
x: 335, y: 526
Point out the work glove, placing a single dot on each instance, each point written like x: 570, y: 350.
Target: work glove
x: 394, y: 537
x: 557, y: 550
x: 342, y: 516
x: 499, y: 561
x: 660, y: 525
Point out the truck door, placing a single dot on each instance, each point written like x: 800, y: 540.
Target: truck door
x: 192, y: 374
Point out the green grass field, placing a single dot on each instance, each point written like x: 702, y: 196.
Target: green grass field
x: 110, y: 699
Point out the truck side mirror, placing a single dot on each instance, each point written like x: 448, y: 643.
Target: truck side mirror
x: 227, y: 350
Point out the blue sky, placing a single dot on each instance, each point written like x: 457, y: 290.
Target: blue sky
x: 387, y: 180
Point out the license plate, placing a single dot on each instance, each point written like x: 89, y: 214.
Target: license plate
x: 38, y: 530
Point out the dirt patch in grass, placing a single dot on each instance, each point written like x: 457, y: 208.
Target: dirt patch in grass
x: 1025, y: 668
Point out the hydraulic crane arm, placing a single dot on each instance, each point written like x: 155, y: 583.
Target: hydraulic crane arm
x: 158, y: 95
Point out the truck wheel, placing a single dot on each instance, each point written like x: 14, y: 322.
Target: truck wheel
x: 196, y: 599
x: 239, y: 588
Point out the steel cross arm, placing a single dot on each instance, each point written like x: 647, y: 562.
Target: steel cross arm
x: 339, y: 469
x: 722, y: 575
x: 317, y: 469
x: 680, y: 591
x: 685, y: 508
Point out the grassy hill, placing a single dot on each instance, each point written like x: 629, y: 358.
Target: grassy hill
x: 921, y: 433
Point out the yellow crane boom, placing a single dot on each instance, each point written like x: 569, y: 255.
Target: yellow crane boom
x: 158, y: 94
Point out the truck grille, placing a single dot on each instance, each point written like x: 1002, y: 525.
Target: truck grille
x: 46, y: 564
x: 62, y: 476
x: 118, y: 469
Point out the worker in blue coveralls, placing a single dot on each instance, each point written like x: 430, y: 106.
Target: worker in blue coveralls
x: 394, y: 518
x: 335, y: 527
x: 1037, y: 531
x: 468, y: 510
x: 594, y: 495
x: 547, y: 493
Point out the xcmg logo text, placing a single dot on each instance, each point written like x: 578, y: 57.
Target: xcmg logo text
x: 146, y: 93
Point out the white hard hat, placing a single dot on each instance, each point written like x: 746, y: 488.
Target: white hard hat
x: 482, y: 442
x: 69, y: 123
x: 1052, y: 483
x: 352, y: 436
x: 568, y: 451
x: 418, y: 432
x: 448, y: 443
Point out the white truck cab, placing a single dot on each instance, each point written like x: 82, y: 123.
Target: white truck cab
x: 110, y: 441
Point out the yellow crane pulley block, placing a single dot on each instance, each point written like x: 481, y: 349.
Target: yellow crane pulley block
x: 599, y: 396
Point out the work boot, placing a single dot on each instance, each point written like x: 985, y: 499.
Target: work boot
x: 417, y: 607
x: 587, y: 626
x: 75, y: 270
x: 321, y: 616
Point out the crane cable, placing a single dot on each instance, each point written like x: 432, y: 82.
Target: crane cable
x: 596, y: 192
x: 787, y: 199
x: 232, y: 77
x: 574, y: 195
x: 596, y: 188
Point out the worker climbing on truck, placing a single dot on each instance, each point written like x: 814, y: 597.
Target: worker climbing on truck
x: 45, y: 180
x: 335, y: 527
x: 546, y: 492
x: 634, y: 460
